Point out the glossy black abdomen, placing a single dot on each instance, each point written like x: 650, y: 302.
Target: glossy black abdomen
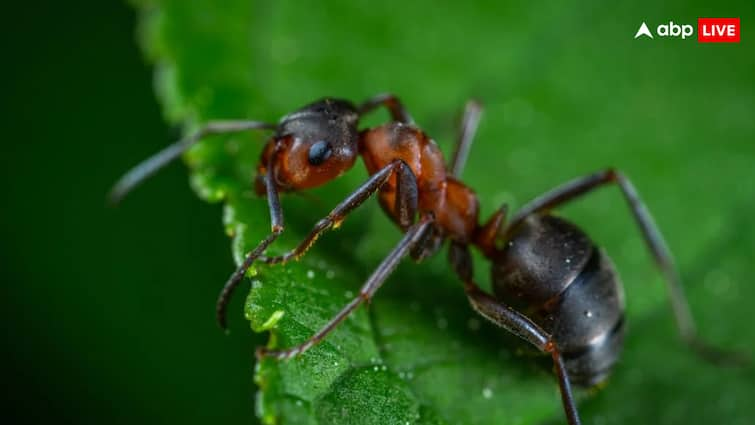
x: 553, y: 273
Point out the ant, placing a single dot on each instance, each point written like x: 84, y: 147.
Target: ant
x: 553, y: 287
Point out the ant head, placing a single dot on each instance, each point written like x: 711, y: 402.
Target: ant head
x: 312, y: 146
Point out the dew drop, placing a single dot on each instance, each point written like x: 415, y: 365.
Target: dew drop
x: 252, y: 271
x: 487, y: 393
x: 588, y: 313
x: 311, y: 274
x: 568, y: 260
x: 330, y: 274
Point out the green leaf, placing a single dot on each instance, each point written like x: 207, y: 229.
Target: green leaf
x: 567, y: 92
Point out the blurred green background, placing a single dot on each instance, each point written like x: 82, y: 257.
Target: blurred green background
x: 95, y: 298
x: 109, y: 312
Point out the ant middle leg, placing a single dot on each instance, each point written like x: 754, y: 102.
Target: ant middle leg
x: 414, y: 235
x: 653, y: 239
x: 518, y: 324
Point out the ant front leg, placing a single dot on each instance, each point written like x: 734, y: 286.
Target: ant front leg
x: 406, y: 206
x: 414, y: 235
x: 390, y: 102
x: 506, y: 317
x: 654, y: 241
x: 276, y: 224
x: 153, y: 164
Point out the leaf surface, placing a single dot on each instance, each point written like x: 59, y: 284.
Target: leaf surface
x: 564, y: 96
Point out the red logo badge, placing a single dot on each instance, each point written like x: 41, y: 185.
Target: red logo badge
x: 718, y: 30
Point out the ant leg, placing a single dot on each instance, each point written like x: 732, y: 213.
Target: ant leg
x: 654, y: 241
x: 390, y: 102
x: 506, y: 317
x: 276, y: 220
x: 469, y: 122
x: 406, y: 206
x: 151, y: 165
x: 413, y: 235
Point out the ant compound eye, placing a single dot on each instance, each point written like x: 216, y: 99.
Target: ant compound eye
x: 319, y: 152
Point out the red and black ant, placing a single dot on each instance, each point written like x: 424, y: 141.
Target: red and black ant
x: 553, y: 286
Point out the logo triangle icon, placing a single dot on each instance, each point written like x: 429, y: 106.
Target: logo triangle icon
x: 643, y: 31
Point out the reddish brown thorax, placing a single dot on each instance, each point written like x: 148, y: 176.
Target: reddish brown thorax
x: 454, y: 205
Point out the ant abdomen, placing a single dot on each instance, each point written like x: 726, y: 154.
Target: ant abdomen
x: 550, y: 270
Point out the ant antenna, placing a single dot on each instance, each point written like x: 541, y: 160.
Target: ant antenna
x: 153, y: 164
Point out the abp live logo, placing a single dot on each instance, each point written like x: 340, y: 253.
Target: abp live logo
x: 709, y: 30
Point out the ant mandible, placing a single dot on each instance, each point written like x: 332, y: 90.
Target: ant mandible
x: 553, y: 286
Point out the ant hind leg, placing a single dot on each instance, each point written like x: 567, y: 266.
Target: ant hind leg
x: 506, y: 317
